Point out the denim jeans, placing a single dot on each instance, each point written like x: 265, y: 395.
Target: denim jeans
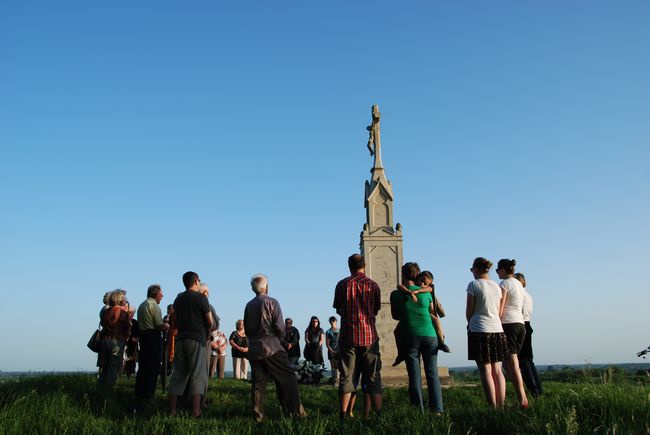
x: 427, y: 347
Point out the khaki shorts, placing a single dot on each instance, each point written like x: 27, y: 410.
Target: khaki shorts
x: 367, y: 361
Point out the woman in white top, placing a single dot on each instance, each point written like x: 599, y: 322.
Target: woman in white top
x: 512, y: 318
x: 526, y: 364
x: 486, y: 342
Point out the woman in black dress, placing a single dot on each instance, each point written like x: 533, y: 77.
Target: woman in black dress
x: 314, y: 337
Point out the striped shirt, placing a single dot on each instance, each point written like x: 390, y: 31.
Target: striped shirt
x: 357, y: 299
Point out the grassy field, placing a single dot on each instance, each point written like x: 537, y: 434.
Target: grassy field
x: 586, y: 404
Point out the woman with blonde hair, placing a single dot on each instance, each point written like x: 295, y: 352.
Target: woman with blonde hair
x: 486, y: 342
x: 239, y: 345
x: 116, y: 328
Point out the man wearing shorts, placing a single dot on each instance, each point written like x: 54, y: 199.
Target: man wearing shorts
x: 357, y: 300
x: 193, y: 320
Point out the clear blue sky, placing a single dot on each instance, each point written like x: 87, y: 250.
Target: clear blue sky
x: 143, y: 139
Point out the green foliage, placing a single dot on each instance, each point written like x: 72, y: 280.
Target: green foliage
x: 67, y: 404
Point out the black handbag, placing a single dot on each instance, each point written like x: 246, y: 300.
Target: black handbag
x: 94, y: 343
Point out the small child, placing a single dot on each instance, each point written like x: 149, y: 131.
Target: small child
x: 332, y: 343
x: 425, y: 282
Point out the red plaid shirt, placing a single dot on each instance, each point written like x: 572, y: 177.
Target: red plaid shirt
x: 357, y: 300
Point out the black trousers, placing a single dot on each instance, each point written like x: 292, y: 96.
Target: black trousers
x: 149, y: 361
x: 277, y: 368
x: 527, y: 366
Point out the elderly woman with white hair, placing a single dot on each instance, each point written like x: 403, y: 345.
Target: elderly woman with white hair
x: 116, y: 328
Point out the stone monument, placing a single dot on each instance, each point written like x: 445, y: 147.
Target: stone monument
x: 381, y: 245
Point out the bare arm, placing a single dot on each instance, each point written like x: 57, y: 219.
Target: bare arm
x: 504, y: 298
x: 321, y: 338
x: 208, y: 320
x: 412, y: 293
x: 469, y: 308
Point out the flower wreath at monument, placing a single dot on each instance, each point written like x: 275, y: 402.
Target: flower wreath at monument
x: 308, y: 372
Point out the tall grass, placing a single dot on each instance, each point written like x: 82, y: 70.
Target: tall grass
x: 67, y: 404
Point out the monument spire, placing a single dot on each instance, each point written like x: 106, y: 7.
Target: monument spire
x: 379, y: 192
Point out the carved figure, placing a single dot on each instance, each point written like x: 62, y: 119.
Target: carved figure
x: 374, y: 139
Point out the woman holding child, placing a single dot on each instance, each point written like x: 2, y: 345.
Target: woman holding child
x: 418, y: 338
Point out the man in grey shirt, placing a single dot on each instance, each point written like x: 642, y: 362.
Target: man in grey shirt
x: 264, y: 328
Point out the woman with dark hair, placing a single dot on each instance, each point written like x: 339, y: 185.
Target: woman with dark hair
x: 512, y: 319
x: 526, y: 364
x: 314, y: 337
x: 486, y: 342
x: 418, y: 338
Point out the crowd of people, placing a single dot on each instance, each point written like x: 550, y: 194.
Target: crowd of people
x: 189, y: 345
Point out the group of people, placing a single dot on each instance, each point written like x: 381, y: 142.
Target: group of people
x: 315, y: 337
x: 144, y: 336
x: 497, y: 332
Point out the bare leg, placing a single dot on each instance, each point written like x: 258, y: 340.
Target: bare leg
x: 375, y: 399
x: 346, y: 401
x: 195, y: 399
x: 367, y: 405
x: 172, y: 404
x: 350, y: 409
x: 512, y: 368
x: 499, y: 384
x: 484, y: 370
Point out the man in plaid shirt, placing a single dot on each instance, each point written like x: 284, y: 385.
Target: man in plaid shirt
x: 357, y: 300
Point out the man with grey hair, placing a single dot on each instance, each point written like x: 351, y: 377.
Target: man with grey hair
x: 205, y: 290
x: 151, y: 326
x: 265, y: 328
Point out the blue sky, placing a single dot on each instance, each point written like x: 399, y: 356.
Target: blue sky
x: 143, y: 139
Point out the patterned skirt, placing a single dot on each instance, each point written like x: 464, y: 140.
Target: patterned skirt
x: 487, y: 347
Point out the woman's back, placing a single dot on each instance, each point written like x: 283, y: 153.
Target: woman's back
x: 414, y: 317
x: 487, y: 301
x: 513, y: 311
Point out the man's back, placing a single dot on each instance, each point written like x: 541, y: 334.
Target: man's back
x: 190, y: 308
x: 264, y: 326
x: 357, y: 299
x: 149, y: 315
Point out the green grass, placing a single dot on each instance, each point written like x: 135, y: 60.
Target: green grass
x: 67, y: 404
